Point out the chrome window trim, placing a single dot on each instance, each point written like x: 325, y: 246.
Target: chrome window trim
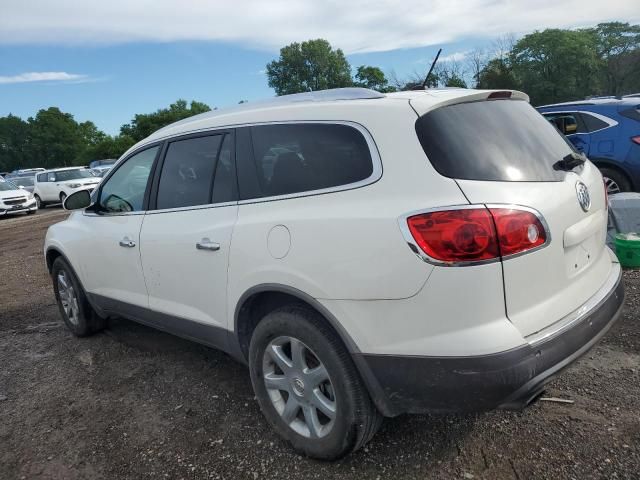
x: 376, y: 162
x: 609, y: 121
x: 192, y: 207
x: 415, y: 248
x: 376, y: 159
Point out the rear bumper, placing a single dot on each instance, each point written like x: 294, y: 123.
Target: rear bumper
x: 510, y: 379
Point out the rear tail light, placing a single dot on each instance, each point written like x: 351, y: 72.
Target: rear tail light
x: 476, y: 234
x: 636, y: 139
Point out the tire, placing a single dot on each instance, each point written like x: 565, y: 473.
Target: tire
x: 76, y: 312
x: 63, y: 197
x: 31, y: 212
x: 616, y: 181
x: 39, y: 202
x: 344, y: 396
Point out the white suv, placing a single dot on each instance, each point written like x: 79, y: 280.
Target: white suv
x: 53, y: 186
x: 366, y: 255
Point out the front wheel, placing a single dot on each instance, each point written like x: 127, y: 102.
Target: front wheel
x: 76, y: 311
x: 307, y: 385
x: 63, y: 197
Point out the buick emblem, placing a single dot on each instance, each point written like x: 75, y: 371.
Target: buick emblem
x: 584, y: 199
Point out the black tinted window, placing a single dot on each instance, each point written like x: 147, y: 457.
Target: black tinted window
x: 187, y: 177
x: 502, y: 140
x: 296, y: 158
x: 593, y: 123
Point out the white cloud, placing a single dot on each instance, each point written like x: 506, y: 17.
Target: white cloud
x: 43, y: 77
x: 353, y: 25
x: 454, y: 57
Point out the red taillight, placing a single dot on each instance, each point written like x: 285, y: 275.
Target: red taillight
x: 476, y: 234
x: 636, y: 139
x: 518, y: 230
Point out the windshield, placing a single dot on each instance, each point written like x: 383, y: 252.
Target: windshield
x: 499, y: 140
x: 73, y: 174
x: 24, y: 181
x: 7, y: 186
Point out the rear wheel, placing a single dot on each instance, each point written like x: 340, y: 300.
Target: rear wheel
x: 39, y: 202
x: 615, y: 181
x: 76, y: 312
x: 307, y: 385
x: 63, y: 197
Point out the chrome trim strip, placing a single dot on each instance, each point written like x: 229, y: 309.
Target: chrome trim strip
x: 376, y: 161
x: 581, y: 312
x: 406, y: 233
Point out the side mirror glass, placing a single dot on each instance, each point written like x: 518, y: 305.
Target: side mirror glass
x: 77, y: 200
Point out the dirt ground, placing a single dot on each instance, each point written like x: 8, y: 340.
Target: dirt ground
x: 136, y: 403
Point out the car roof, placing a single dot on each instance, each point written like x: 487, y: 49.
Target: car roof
x: 306, y: 104
x: 62, y: 169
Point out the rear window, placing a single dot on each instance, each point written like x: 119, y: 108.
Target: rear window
x: 499, y: 140
x: 593, y: 123
x: 294, y: 158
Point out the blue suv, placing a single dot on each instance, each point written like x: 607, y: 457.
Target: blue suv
x: 607, y: 130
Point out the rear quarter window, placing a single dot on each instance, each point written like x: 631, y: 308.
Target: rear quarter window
x: 303, y: 157
x: 495, y: 140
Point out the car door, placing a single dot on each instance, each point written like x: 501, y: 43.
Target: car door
x: 186, y: 235
x: 111, y: 261
x: 47, y: 187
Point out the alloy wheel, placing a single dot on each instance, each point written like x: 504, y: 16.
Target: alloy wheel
x: 612, y: 186
x: 299, y: 387
x: 68, y: 297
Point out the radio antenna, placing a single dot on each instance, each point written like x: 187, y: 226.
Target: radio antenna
x: 435, y: 60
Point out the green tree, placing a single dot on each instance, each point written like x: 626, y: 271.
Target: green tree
x: 308, y: 66
x: 108, y: 147
x: 618, y: 46
x: 144, y: 124
x: 556, y: 65
x: 14, y: 137
x: 373, y: 78
x: 55, y: 140
x: 496, y: 74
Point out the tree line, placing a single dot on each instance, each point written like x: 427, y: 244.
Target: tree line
x: 552, y: 65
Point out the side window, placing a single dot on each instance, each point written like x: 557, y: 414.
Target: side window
x: 42, y: 177
x: 293, y: 158
x: 51, y: 177
x: 567, y: 123
x: 187, y: 177
x: 593, y: 123
x: 124, y: 190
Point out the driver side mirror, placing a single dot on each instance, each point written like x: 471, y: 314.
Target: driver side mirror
x: 77, y: 200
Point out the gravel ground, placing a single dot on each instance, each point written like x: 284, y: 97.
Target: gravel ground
x: 136, y: 403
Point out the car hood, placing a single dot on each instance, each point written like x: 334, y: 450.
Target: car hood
x: 13, y: 193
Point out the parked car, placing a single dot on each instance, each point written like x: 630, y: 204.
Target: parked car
x: 14, y: 199
x: 109, y: 162
x: 23, y: 180
x: 607, y: 130
x: 422, y: 251
x: 28, y: 170
x: 53, y: 186
x: 101, y: 171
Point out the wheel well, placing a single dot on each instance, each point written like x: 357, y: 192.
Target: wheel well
x: 52, y: 254
x: 259, y: 304
x: 612, y: 166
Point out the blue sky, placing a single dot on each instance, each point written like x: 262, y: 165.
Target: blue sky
x: 106, y: 62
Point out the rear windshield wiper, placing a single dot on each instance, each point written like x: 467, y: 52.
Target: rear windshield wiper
x: 570, y: 162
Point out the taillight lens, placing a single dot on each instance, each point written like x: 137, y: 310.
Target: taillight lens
x: 636, y: 139
x: 518, y: 230
x: 476, y: 234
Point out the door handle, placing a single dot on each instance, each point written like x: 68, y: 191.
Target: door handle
x: 125, y: 242
x: 206, y: 244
